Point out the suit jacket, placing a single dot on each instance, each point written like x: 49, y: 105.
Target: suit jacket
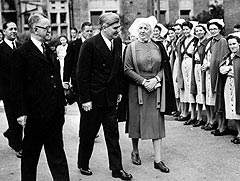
x: 70, y: 62
x: 5, y: 69
x: 99, y: 72
x: 36, y: 85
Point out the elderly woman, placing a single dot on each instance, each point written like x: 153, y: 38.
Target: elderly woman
x: 215, y: 50
x: 230, y: 70
x: 184, y: 74
x: 198, y: 79
x: 150, y: 92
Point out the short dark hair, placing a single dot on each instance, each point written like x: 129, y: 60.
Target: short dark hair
x: 237, y: 26
x: 85, y: 24
x: 63, y: 36
x: 199, y: 25
x: 177, y: 24
x: 188, y: 24
x: 5, y: 25
x: 220, y: 27
x: 158, y: 27
x: 75, y: 29
x: 233, y: 37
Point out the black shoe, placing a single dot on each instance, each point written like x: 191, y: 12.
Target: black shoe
x: 121, y: 174
x: 215, y: 131
x: 85, y: 171
x: 211, y: 126
x: 136, y: 158
x: 199, y: 123
x: 161, y: 166
x: 225, y: 132
x: 189, y: 122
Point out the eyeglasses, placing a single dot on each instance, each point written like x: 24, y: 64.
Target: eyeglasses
x: 45, y: 28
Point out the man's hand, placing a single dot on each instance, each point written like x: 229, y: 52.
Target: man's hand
x: 66, y: 85
x: 22, y: 120
x: 87, y: 106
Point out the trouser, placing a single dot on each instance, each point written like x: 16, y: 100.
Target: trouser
x: 14, y: 132
x: 52, y: 139
x: 89, y: 126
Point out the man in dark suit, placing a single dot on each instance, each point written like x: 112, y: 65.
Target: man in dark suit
x: 38, y: 95
x: 99, y: 72
x: 70, y: 61
x: 14, y: 131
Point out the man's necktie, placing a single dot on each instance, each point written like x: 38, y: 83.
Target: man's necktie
x: 111, y: 48
x: 14, y: 46
x: 44, y: 49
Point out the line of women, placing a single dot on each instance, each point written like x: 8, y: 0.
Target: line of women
x: 203, y: 77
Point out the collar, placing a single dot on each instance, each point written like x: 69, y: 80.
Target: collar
x: 37, y: 43
x: 107, y: 41
x: 238, y: 54
x: 83, y: 39
x: 217, y: 37
x: 144, y: 41
x: 10, y: 42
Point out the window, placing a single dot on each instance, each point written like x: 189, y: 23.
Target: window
x: 64, y: 30
x: 63, y: 17
x: 163, y: 17
x: 94, y: 16
x: 53, y: 17
x: 26, y: 16
x: 184, y: 14
x: 54, y: 30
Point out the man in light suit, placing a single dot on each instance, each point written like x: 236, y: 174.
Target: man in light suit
x: 99, y: 75
x: 14, y: 131
x: 38, y: 95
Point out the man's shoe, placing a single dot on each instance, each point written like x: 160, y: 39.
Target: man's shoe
x: 84, y: 171
x: 136, y: 158
x: 19, y: 154
x: 121, y: 174
x: 161, y: 166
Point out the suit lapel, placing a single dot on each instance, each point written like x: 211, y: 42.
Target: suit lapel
x: 36, y: 52
x: 6, y: 48
x: 103, y: 48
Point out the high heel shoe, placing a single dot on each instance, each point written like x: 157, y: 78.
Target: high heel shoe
x: 136, y: 158
x: 161, y: 166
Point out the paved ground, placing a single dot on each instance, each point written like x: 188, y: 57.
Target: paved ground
x: 191, y: 154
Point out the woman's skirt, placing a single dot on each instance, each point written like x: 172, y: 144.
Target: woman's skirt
x: 210, y: 96
x: 230, y: 99
x: 185, y: 95
x: 200, y: 97
x: 175, y: 84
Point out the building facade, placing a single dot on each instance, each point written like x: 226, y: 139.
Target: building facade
x: 19, y: 11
